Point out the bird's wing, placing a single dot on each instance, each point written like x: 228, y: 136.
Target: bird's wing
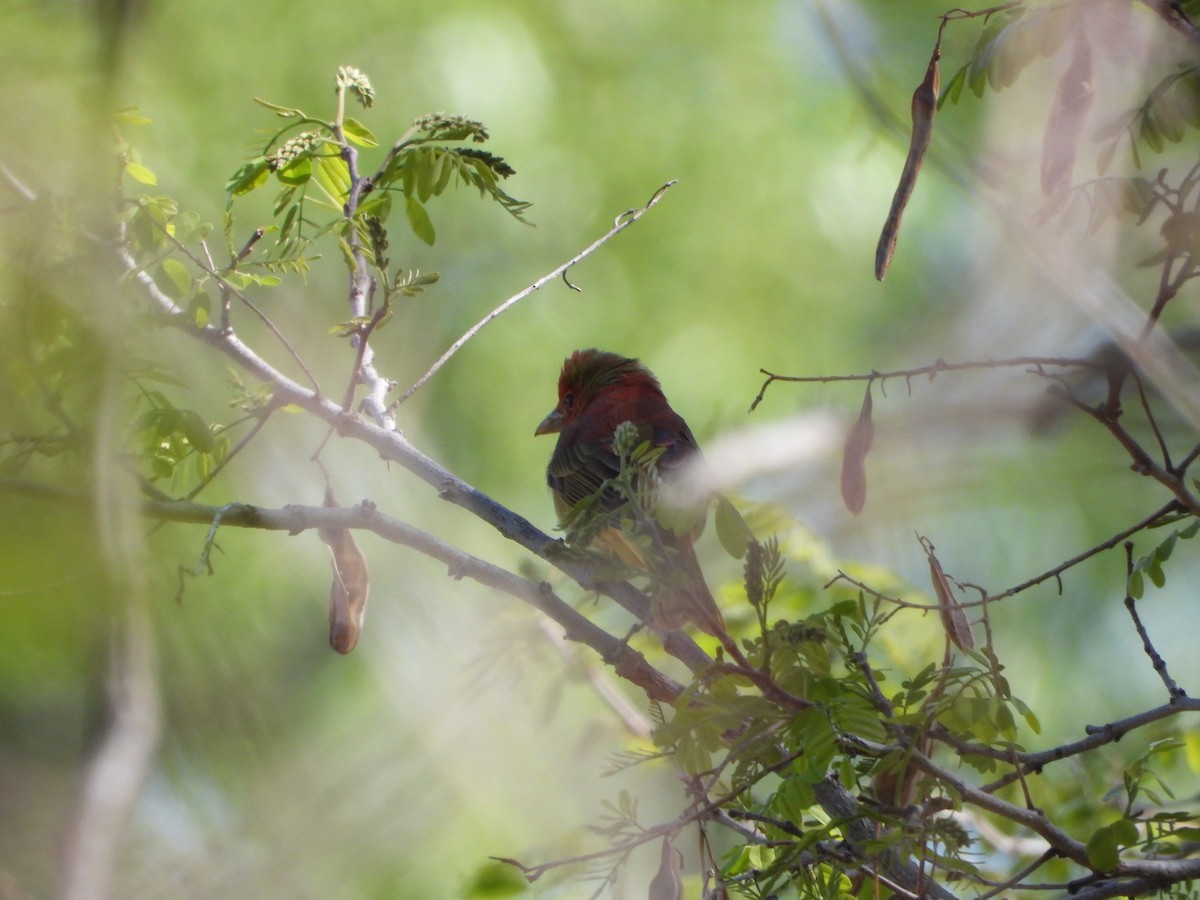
x: 578, y: 469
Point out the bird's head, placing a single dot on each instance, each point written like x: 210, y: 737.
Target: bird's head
x: 588, y: 374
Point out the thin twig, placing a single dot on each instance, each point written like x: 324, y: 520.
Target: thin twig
x: 1016, y: 880
x: 622, y: 222
x: 1163, y: 511
x: 1149, y: 521
x: 226, y: 289
x: 1160, y: 665
x: 1035, y: 364
x: 261, y: 420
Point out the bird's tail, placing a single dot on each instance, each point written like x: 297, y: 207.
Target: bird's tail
x: 682, y: 595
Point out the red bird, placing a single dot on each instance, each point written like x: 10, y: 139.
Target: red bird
x: 597, y: 391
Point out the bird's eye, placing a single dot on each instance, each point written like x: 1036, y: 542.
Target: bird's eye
x: 568, y: 400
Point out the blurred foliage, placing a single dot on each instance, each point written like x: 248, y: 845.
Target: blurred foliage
x: 454, y: 732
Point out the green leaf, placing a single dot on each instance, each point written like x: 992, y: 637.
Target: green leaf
x: 200, y: 309
x: 196, y: 430
x: 162, y: 466
x: 358, y: 133
x: 732, y: 530
x: 419, y: 221
x: 1102, y: 851
x: 350, y: 326
x: 299, y: 171
x: 424, y: 170
x: 253, y: 174
x: 130, y: 116
x: 953, y: 89
x: 1150, y: 133
x: 1125, y: 832
x: 496, y: 879
x: 1136, y: 584
x: 1028, y: 715
x: 179, y: 279
x: 138, y: 172
x: 284, y: 112
x: 331, y: 173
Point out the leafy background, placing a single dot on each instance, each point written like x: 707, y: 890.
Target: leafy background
x: 456, y: 730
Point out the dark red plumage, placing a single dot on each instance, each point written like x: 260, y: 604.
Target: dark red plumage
x: 597, y: 391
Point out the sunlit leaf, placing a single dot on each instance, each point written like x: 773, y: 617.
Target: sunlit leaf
x: 419, y: 221
x: 358, y: 133
x: 178, y: 277
x: 253, y: 174
x: 138, y: 172
x: 297, y: 172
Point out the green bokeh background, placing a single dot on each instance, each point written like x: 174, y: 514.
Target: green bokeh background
x: 456, y: 730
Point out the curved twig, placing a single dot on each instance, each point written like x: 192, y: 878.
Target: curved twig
x: 622, y: 222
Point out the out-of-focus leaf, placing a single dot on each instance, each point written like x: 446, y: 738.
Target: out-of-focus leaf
x: 854, y: 456
x: 180, y: 280
x: 138, y: 172
x: 1072, y: 101
x: 732, y: 530
x: 495, y: 879
x: 419, y: 221
x: 200, y: 309
x: 196, y: 430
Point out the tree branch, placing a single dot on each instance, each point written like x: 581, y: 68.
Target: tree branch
x: 622, y: 222
x: 293, y: 519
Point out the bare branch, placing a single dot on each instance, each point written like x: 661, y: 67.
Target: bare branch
x: 623, y: 221
x: 294, y: 519
x: 1035, y: 364
x: 1160, y: 665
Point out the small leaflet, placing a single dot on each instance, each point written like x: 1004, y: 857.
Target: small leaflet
x: 1064, y: 126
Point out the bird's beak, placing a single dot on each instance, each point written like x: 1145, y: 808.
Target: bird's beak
x: 550, y: 424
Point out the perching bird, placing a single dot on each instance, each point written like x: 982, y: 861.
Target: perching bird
x: 598, y: 391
